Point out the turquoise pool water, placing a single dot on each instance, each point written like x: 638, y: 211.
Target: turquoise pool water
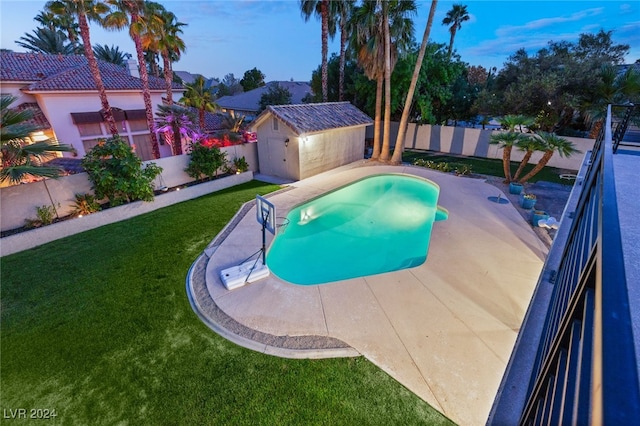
x: 378, y: 224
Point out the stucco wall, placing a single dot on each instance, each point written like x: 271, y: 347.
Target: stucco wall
x: 276, y: 157
x: 475, y: 142
x: 59, y: 106
x: 19, y: 202
x: 327, y: 150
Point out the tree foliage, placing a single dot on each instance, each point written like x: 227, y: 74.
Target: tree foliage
x: 229, y: 86
x: 205, y: 161
x: 111, y: 54
x: 252, y: 79
x: 116, y: 172
x: 47, y: 41
x: 275, y: 95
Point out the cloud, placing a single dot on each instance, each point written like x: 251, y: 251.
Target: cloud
x: 548, y: 22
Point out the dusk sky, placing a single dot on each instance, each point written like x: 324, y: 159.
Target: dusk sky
x: 233, y: 36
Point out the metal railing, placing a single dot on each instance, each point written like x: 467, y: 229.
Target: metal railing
x: 586, y: 369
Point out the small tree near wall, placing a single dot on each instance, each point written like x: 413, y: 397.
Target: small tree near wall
x: 117, y: 174
x: 205, y: 161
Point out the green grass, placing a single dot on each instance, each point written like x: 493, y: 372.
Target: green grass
x: 97, y: 326
x: 490, y: 166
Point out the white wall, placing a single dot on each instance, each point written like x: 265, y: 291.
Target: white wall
x: 19, y: 202
x: 330, y: 149
x: 475, y: 142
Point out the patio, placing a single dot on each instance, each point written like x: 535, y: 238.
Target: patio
x: 444, y: 329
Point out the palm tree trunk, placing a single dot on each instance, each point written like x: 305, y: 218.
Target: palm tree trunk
x: 386, y: 136
x: 201, y: 117
x: 146, y: 94
x: 543, y: 162
x: 375, y: 155
x: 177, y: 140
x: 343, y: 45
x: 95, y: 72
x: 523, y: 163
x: 453, y: 35
x: 168, y: 78
x: 506, y: 163
x: 402, y: 130
x: 324, y: 12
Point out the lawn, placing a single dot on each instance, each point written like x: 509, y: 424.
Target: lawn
x: 490, y: 166
x: 97, y: 327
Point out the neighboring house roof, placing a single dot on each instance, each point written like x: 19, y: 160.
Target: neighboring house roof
x: 189, y: 78
x: 39, y: 119
x: 313, y: 118
x: 250, y: 101
x: 68, y: 73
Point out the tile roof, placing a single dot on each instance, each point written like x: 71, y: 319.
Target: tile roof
x: 68, y: 73
x: 250, y: 101
x: 39, y: 119
x: 311, y: 118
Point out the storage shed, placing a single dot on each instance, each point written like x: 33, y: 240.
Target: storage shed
x: 299, y: 141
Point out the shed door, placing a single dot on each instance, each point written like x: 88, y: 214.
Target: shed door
x: 277, y: 158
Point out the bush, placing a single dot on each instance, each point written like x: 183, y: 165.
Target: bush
x: 85, y: 204
x: 205, y: 161
x: 45, y: 216
x: 117, y: 173
x: 240, y: 164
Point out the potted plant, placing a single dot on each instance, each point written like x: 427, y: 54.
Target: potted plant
x: 537, y: 216
x: 527, y: 201
x: 515, y: 188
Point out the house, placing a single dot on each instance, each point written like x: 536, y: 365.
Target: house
x: 63, y: 95
x: 248, y: 103
x: 299, y: 141
x: 188, y: 78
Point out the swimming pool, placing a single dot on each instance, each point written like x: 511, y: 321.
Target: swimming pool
x: 378, y: 224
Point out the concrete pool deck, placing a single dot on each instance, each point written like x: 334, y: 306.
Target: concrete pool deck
x: 444, y: 329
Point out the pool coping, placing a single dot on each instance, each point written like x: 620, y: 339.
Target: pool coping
x: 308, y: 346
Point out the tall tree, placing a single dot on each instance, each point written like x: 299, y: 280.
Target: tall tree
x: 164, y: 37
x: 454, y: 18
x: 397, y: 152
x: 275, y: 95
x: 111, y: 54
x: 200, y: 97
x: 174, y: 122
x: 368, y: 40
x: 342, y: 10
x: 86, y: 10
x: 65, y: 22
x: 47, y: 41
x: 131, y: 14
x: 252, y: 79
x: 19, y: 158
x: 321, y: 9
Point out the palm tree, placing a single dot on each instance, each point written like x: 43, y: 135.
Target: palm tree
x: 165, y: 39
x: 454, y: 18
x: 45, y: 40
x: 20, y: 159
x: 111, y: 54
x: 397, y: 152
x: 65, y: 22
x: 553, y: 143
x: 198, y: 96
x: 506, y: 141
x: 86, y: 10
x: 321, y: 9
x: 175, y: 122
x: 368, y: 41
x: 528, y: 144
x: 341, y: 11
x: 131, y: 14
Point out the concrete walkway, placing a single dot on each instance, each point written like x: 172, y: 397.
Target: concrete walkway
x: 444, y: 329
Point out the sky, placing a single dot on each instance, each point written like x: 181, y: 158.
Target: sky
x: 233, y: 36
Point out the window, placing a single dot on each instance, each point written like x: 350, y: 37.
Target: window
x: 138, y: 125
x: 90, y: 129
x: 275, y: 124
x: 90, y: 143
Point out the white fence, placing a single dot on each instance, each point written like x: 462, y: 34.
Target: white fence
x: 475, y: 142
x: 19, y: 202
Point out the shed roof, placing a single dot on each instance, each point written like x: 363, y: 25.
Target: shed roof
x: 313, y: 118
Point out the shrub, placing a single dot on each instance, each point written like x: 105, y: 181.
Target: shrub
x: 205, y: 161
x: 85, y: 204
x: 240, y: 164
x: 45, y: 216
x: 117, y: 173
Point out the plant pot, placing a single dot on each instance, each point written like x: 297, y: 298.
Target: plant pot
x: 538, y: 215
x: 527, y: 203
x: 515, y: 188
